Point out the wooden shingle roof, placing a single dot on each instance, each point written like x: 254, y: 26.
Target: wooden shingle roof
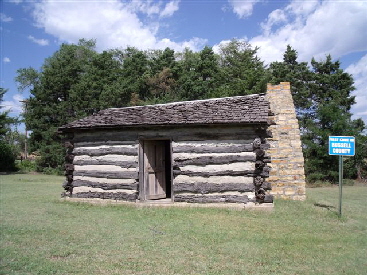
x: 250, y: 109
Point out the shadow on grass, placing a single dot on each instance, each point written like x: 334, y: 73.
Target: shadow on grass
x: 328, y: 207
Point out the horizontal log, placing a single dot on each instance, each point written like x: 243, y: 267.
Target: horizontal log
x: 211, y: 135
x: 104, y: 168
x: 109, y: 157
x: 236, y: 166
x: 69, y: 158
x: 260, y: 153
x: 69, y: 144
x: 211, y: 199
x: 259, y: 164
x: 212, y: 142
x: 129, y: 151
x: 207, y: 160
x: 208, y: 148
x: 256, y: 143
x: 245, y: 173
x: 107, y: 174
x: 66, y: 185
x: 105, y: 186
x: 214, y: 179
x: 265, y: 146
x: 205, y: 188
x: 248, y: 173
x: 125, y: 164
x: 69, y: 167
x: 200, y: 133
x: 105, y: 180
x: 68, y: 173
x: 104, y: 143
x: 68, y: 135
x: 264, y: 174
x: 234, y: 148
x: 266, y: 185
x: 106, y: 136
x: 83, y: 189
x: 107, y: 195
x: 268, y: 198
x: 176, y: 133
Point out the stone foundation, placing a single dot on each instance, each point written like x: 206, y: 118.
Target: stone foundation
x: 287, y: 175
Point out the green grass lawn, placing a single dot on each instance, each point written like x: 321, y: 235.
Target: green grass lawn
x: 40, y: 234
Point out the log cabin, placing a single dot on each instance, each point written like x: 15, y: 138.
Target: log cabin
x: 214, y: 151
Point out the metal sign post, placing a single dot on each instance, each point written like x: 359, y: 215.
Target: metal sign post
x: 341, y: 146
x: 340, y: 184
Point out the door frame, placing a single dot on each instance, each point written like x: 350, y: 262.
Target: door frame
x: 142, y: 196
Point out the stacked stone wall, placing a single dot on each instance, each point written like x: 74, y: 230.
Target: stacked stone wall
x: 287, y: 175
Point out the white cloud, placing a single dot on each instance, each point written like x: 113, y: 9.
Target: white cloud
x: 223, y: 43
x: 194, y: 44
x: 6, y: 60
x: 41, y: 42
x: 314, y: 29
x: 151, y: 8
x: 145, y: 7
x: 303, y: 8
x: 359, y: 72
x: 5, y: 18
x: 14, y: 105
x: 114, y: 24
x: 276, y: 17
x: 318, y: 28
x: 243, y: 8
x: 170, y: 9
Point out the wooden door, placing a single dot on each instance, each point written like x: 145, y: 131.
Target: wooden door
x: 154, y: 169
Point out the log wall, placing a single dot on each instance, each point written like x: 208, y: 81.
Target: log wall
x: 210, y: 164
x: 104, y: 169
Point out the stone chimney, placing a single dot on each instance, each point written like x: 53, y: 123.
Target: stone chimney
x: 287, y: 175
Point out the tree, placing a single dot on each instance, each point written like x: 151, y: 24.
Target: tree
x: 7, y: 156
x: 198, y: 74
x: 101, y: 86
x: 68, y: 87
x: 356, y: 166
x: 188, y: 76
x: 329, y: 114
x: 162, y: 76
x: 298, y: 74
x: 17, y: 141
x: 134, y: 73
x: 207, y: 70
x: 242, y: 72
x: 322, y: 96
x: 161, y: 85
x: 159, y: 60
x: 5, y: 120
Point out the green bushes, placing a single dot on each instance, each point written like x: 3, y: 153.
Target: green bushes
x: 7, y: 158
x: 26, y: 166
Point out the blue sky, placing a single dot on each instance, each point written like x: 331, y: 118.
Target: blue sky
x: 33, y: 30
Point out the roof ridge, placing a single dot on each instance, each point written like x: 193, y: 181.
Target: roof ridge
x: 247, y: 109
x: 186, y: 102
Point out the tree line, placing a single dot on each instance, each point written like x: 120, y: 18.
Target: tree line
x: 77, y: 81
